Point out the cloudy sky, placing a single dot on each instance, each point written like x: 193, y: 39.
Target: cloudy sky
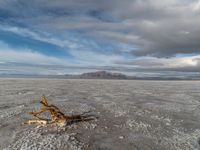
x: 135, y: 37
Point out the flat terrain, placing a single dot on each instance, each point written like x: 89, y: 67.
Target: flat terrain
x: 135, y: 115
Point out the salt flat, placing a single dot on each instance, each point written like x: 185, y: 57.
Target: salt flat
x: 135, y: 115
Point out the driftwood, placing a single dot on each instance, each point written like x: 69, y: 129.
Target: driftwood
x: 57, y: 116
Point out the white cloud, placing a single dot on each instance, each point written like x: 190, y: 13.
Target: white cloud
x: 27, y: 56
x: 173, y: 63
x: 82, y: 58
x: 36, y: 36
x: 196, y: 6
x: 95, y: 58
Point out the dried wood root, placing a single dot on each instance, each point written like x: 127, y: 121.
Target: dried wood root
x: 57, y: 116
x: 36, y: 122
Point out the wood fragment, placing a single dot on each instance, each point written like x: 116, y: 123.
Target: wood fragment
x: 57, y: 116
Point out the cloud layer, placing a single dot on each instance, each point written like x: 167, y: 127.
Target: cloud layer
x: 137, y: 35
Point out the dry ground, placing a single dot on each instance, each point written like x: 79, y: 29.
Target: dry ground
x: 135, y: 115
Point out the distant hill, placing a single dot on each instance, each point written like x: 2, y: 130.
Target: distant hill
x: 102, y: 75
x: 96, y: 75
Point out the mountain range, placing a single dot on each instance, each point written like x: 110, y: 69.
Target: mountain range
x: 94, y: 75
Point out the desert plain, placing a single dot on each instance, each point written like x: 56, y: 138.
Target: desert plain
x: 132, y: 114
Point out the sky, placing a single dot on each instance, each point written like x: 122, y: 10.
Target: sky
x: 145, y: 38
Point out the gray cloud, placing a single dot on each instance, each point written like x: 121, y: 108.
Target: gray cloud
x: 186, y: 64
x: 157, y: 28
x: 160, y: 29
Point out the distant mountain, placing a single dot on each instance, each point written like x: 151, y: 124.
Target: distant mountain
x: 102, y: 75
x: 96, y: 75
